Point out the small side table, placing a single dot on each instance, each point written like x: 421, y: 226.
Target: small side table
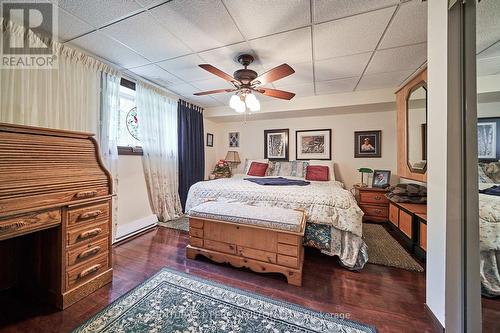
x: 373, y: 203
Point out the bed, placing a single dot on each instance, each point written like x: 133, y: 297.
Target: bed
x: 334, y: 224
x: 489, y: 233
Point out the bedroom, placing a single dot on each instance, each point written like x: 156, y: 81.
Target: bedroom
x: 340, y: 98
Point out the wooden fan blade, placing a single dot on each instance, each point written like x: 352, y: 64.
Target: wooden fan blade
x: 276, y: 93
x: 218, y: 72
x: 274, y: 74
x: 214, y: 92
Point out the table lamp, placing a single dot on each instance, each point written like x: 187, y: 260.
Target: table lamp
x: 233, y: 158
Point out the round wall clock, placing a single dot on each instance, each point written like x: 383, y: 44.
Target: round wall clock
x: 133, y: 123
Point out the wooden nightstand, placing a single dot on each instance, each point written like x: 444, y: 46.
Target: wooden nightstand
x: 373, y: 203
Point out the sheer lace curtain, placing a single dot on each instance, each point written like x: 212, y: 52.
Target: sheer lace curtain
x: 80, y: 94
x: 158, y: 130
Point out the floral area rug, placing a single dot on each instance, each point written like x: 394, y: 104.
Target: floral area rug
x: 171, y: 301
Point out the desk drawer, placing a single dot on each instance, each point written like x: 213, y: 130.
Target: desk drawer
x: 82, y: 274
x: 373, y: 197
x: 88, y: 214
x: 87, y: 252
x: 18, y: 225
x: 86, y: 234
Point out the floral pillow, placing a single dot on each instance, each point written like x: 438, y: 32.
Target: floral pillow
x: 288, y: 169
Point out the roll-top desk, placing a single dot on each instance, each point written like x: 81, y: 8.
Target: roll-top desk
x: 55, y: 214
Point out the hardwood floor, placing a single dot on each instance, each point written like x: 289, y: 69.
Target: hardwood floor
x: 388, y: 298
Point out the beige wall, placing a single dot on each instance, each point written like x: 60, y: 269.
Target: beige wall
x: 134, y: 210
x: 343, y: 127
x: 210, y: 152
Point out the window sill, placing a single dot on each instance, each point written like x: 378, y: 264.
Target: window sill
x: 130, y: 151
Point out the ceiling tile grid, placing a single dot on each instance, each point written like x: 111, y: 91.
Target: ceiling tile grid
x: 333, y: 45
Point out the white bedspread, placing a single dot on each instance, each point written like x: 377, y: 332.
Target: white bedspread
x: 326, y: 203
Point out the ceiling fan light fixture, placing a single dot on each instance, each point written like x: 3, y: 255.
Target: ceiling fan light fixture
x: 252, y: 102
x: 234, y: 101
x: 240, y: 107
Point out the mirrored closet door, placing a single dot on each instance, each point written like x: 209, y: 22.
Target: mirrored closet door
x: 488, y: 158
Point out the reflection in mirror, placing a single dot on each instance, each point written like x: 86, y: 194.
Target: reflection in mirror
x: 417, y: 129
x: 488, y: 130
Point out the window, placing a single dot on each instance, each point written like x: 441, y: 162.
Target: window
x: 128, y: 137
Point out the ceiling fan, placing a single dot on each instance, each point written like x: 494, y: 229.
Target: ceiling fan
x: 246, y: 81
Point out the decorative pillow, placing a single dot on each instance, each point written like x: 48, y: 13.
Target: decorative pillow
x: 492, y: 170
x: 248, y: 162
x: 289, y: 169
x: 329, y: 164
x: 317, y: 172
x: 257, y: 169
x: 483, y: 178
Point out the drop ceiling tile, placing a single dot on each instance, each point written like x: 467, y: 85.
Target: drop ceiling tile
x: 488, y: 24
x: 105, y: 47
x: 336, y: 86
x: 300, y: 90
x: 341, y: 67
x: 186, y: 68
x: 203, y: 101
x: 325, y: 10
x: 409, y: 26
x: 99, y: 13
x: 159, y: 43
x: 398, y: 59
x: 350, y: 35
x: 291, y: 47
x: 303, y: 75
x: 156, y: 74
x: 183, y: 89
x: 488, y: 66
x: 150, y: 3
x: 212, y: 84
x: 225, y: 58
x: 383, y: 80
x: 492, y: 51
x: 69, y: 26
x: 273, y: 16
x: 201, y: 24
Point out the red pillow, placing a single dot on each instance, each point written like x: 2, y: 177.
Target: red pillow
x: 257, y: 169
x: 317, y: 172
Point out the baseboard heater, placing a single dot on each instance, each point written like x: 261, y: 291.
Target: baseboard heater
x: 133, y: 228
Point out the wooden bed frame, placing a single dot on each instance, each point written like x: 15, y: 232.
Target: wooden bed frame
x: 258, y: 248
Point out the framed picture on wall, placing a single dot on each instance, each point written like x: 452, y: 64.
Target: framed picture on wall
x: 234, y: 139
x: 276, y: 144
x: 210, y: 140
x: 367, y: 144
x: 488, y: 145
x: 313, y: 144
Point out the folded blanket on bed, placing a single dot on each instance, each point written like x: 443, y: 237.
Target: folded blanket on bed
x: 278, y: 181
x: 494, y: 190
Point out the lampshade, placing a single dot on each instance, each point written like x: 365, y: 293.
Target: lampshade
x: 232, y: 157
x: 240, y: 107
x: 233, y: 102
x: 252, y: 102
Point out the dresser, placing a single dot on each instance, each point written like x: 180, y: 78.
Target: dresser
x: 55, y: 214
x: 373, y: 203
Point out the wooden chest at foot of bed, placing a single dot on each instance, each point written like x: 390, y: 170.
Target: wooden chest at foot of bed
x: 251, y: 237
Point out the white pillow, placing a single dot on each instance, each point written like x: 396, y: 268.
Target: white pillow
x: 329, y: 164
x: 248, y: 163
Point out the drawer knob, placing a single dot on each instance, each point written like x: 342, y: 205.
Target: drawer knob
x: 377, y: 197
x: 89, y: 252
x: 89, y: 271
x: 378, y: 211
x: 89, y: 233
x: 90, y: 215
x: 85, y: 194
